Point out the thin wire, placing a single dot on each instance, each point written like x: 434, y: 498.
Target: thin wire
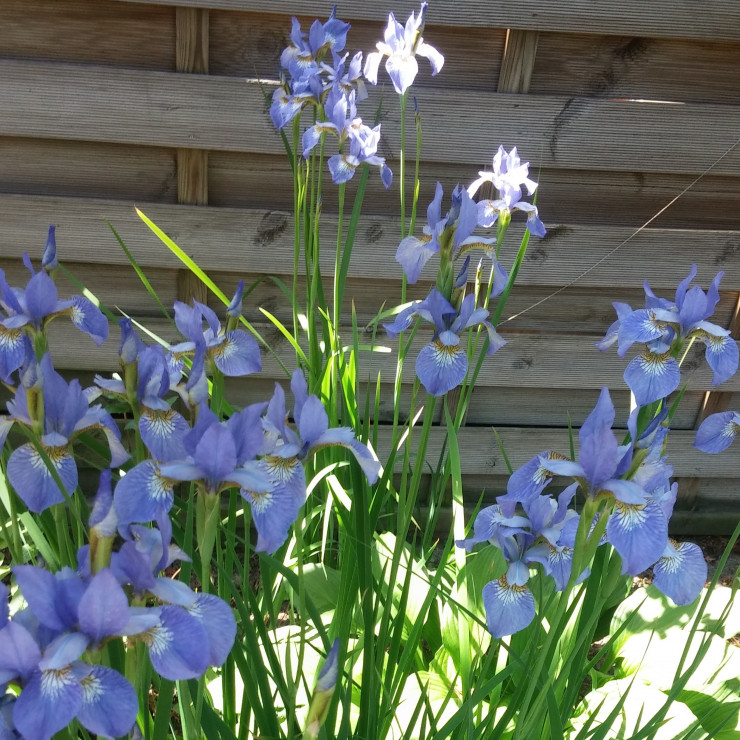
x: 629, y: 238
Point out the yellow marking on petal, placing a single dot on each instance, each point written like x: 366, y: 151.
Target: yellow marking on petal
x: 10, y: 337
x: 631, y: 515
x: 160, y: 421
x: 54, y: 681
x: 92, y: 688
x: 281, y: 468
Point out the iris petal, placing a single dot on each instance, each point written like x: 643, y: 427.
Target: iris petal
x: 508, y: 608
x: 32, y: 480
x: 237, y: 355
x: 48, y: 703
x: 639, y: 533
x: 178, y: 646
x: 441, y: 367
x: 652, y: 377
x: 681, y: 573
x: 109, y: 703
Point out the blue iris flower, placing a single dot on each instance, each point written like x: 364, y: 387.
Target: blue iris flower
x: 28, y: 311
x: 66, y: 414
x: 41, y: 651
x: 283, y: 454
x: 443, y: 363
x: 663, y: 327
x: 507, y: 177
x: 401, y: 44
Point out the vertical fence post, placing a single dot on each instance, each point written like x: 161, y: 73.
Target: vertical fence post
x: 191, y: 55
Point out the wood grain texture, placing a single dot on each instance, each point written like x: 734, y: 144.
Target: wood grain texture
x: 89, y: 31
x: 249, y: 45
x: 527, y: 361
x: 518, y: 61
x: 261, y: 241
x: 674, y: 18
x: 87, y: 169
x: 578, y: 196
x: 193, y: 111
x: 637, y: 67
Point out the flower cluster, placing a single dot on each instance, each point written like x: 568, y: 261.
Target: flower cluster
x: 442, y: 364
x: 633, y: 479
x: 663, y: 328
x: 26, y: 312
x: 401, y: 44
x: 52, y: 649
x: 630, y: 481
x: 333, y: 92
x: 254, y: 450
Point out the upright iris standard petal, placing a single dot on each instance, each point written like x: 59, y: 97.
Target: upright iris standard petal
x: 33, y: 480
x: 509, y: 609
x: 598, y: 454
x: 39, y: 589
x: 639, y: 533
x: 109, y: 703
x: 717, y: 432
x: 103, y: 609
x: 19, y: 653
x: 681, y: 572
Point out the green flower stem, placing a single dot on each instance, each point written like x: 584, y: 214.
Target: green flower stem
x: 100, y: 551
x: 297, y: 201
x: 207, y: 515
x: 15, y: 541
x: 338, y: 260
x: 583, y: 551
x: 402, y: 164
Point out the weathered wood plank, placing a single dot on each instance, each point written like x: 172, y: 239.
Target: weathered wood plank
x: 637, y: 67
x: 518, y: 61
x: 527, y: 361
x: 249, y: 45
x: 261, y: 241
x: 87, y: 169
x: 588, y: 310
x: 89, y: 31
x: 193, y: 111
x: 675, y: 18
x: 565, y: 196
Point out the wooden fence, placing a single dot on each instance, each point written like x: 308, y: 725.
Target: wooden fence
x: 622, y: 108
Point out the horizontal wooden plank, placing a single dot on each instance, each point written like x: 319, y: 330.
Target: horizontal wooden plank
x: 89, y: 31
x: 637, y: 67
x: 197, y: 111
x: 87, y: 169
x: 527, y: 361
x: 588, y: 310
x: 261, y: 242
x: 675, y: 18
x: 480, y: 455
x: 249, y: 45
x: 579, y: 196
